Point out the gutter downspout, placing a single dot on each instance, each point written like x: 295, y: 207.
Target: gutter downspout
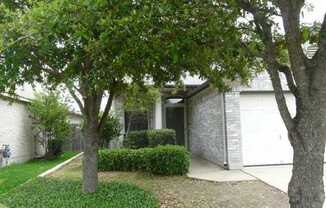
x: 225, y: 143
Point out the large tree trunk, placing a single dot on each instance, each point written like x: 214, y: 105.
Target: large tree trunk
x: 306, y: 188
x: 91, y: 138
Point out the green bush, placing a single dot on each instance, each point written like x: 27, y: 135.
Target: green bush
x: 55, y: 148
x: 111, y: 130
x: 150, y: 138
x: 168, y: 160
x: 161, y: 160
x: 136, y: 140
x: 161, y: 137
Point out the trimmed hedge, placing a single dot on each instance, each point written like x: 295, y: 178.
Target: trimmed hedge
x: 161, y: 160
x: 161, y: 137
x: 150, y: 138
x: 136, y: 140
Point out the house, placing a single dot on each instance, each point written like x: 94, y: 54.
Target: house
x: 16, y: 127
x: 232, y: 129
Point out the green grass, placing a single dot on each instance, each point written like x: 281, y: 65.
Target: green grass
x: 53, y: 193
x: 17, y: 174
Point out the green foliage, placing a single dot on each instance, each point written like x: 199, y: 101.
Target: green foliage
x: 161, y: 160
x: 168, y: 160
x: 50, y: 120
x: 107, y: 41
x: 140, y: 98
x: 51, y: 193
x: 112, y: 128
x: 149, y: 138
x: 17, y: 174
x: 161, y: 137
x: 136, y: 140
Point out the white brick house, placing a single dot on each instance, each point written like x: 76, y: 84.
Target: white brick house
x: 233, y: 129
x: 16, y: 130
x: 16, y: 126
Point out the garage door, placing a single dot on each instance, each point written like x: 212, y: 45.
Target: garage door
x: 264, y: 136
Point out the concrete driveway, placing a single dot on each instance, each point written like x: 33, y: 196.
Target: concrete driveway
x: 277, y: 176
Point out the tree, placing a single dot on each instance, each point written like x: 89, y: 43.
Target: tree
x: 50, y: 122
x: 95, y: 46
x: 282, y: 53
x: 139, y: 99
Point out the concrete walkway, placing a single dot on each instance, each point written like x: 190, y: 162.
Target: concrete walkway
x: 205, y: 170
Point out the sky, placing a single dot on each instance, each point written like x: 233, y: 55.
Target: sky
x: 317, y: 14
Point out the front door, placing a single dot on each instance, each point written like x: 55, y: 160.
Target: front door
x: 174, y: 117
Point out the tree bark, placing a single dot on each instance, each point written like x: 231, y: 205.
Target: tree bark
x: 306, y: 188
x: 91, y: 138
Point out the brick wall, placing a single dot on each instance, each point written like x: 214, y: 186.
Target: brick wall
x: 206, y: 126
x: 16, y: 130
x: 233, y: 130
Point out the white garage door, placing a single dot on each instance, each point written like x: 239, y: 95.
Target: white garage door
x: 264, y: 136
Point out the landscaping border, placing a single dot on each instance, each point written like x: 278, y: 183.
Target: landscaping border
x: 59, y: 166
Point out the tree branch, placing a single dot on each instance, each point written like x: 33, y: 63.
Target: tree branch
x: 280, y: 98
x: 290, y: 10
x: 106, y: 111
x: 76, y: 98
x: 289, y: 78
x: 264, y: 30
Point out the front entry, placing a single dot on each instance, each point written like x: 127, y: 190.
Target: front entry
x: 174, y: 119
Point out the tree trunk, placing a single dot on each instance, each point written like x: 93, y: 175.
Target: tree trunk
x: 91, y: 138
x: 306, y: 188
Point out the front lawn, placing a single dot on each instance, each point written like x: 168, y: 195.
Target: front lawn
x: 183, y: 192
x: 52, y: 193
x: 17, y: 174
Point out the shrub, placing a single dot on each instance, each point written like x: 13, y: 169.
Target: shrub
x: 120, y: 160
x: 55, y: 148
x: 161, y: 137
x: 161, y: 160
x: 168, y: 160
x: 112, y: 129
x: 149, y: 138
x: 136, y: 140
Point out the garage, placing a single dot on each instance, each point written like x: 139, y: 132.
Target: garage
x: 264, y: 136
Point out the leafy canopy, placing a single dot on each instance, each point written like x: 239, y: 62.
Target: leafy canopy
x: 140, y: 98
x: 101, y: 42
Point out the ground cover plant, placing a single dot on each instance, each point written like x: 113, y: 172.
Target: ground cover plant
x: 51, y: 193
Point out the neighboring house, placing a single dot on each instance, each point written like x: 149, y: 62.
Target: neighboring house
x: 16, y: 127
x: 239, y: 128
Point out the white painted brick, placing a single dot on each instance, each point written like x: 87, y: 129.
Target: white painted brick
x: 16, y: 130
